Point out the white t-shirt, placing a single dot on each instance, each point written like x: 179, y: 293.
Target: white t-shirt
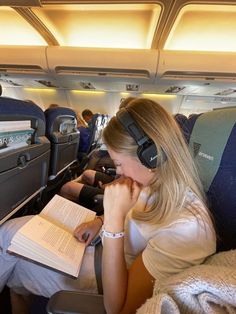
x: 168, y: 249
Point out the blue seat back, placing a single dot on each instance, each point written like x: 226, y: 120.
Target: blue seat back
x: 23, y: 169
x: 61, y: 130
x: 182, y: 121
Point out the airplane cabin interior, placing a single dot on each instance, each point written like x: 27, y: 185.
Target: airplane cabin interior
x: 81, y: 54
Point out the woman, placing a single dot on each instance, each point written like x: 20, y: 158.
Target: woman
x: 84, y: 135
x: 155, y: 219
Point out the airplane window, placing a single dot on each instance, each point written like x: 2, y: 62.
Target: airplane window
x: 102, y: 25
x: 204, y: 28
x: 16, y: 30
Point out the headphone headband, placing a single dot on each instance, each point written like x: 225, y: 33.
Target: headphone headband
x: 131, y: 126
x: 147, y: 151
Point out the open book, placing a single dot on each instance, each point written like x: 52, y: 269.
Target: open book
x: 48, y: 238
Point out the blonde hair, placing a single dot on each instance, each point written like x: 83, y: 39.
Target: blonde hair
x: 176, y: 172
x: 125, y: 101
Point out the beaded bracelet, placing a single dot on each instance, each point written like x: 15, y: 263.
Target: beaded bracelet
x: 111, y: 235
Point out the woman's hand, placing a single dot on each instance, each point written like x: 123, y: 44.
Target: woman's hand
x: 119, y: 197
x: 87, y: 231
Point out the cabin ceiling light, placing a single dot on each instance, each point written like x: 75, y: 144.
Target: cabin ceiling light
x: 91, y: 92
x: 48, y: 90
x: 17, y: 31
x: 158, y: 95
x: 203, y: 27
x: 125, y: 93
x: 86, y: 25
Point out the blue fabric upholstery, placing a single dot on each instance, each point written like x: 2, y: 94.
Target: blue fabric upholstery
x: 180, y: 118
x: 182, y: 121
x: 189, y: 124
x: 22, y: 110
x: 214, y: 152
x: 52, y: 113
x: 61, y: 130
x: 84, y: 139
x: 18, y: 163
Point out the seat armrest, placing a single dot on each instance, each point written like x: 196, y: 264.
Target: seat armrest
x: 72, y: 302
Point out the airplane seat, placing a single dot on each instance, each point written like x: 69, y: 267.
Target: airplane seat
x: 180, y: 118
x: 61, y: 130
x: 24, y: 154
x: 189, y: 124
x: 99, y: 122
x: 212, y: 142
x: 182, y: 121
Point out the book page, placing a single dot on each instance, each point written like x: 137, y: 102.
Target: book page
x: 65, y: 213
x: 44, y: 242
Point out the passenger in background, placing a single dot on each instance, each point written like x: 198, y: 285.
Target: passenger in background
x: 156, y: 222
x: 89, y: 184
x: 90, y: 118
x: 87, y: 116
x: 97, y: 154
x: 84, y: 136
x: 53, y: 106
x: 182, y: 121
x: 100, y: 158
x: 86, y: 187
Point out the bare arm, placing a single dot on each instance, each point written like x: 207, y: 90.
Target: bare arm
x: 124, y: 291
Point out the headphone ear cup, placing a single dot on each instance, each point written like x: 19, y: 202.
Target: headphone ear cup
x: 148, y: 155
x: 147, y: 151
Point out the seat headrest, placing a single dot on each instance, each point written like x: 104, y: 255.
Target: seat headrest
x: 213, y: 145
x: 16, y: 109
x: 54, y: 117
x: 182, y: 121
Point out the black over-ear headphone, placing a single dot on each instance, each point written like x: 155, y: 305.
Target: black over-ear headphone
x: 147, y: 151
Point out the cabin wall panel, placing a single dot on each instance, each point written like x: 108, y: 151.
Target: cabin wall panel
x: 106, y: 103
x: 42, y: 98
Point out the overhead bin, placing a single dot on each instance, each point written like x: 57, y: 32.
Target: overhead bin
x: 23, y: 60
x: 103, y: 63
x: 187, y: 65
